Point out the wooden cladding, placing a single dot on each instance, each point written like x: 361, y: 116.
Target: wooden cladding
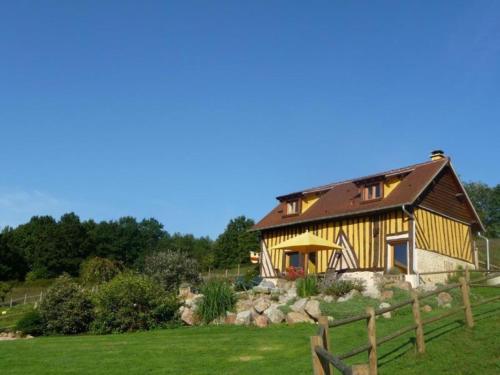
x: 446, y: 196
x: 443, y: 235
x: 365, y: 236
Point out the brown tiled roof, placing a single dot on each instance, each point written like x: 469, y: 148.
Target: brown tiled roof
x: 343, y: 198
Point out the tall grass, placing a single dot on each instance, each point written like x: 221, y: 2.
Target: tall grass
x: 307, y: 286
x: 218, y: 297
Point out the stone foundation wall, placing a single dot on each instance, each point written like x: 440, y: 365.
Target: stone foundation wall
x: 428, y: 261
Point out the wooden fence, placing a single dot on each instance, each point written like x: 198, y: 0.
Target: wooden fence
x: 324, y: 361
x: 23, y: 300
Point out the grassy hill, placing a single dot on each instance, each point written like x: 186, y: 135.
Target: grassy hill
x: 451, y: 349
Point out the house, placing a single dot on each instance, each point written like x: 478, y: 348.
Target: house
x: 414, y: 219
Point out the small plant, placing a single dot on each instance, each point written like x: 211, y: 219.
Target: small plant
x: 250, y: 279
x: 394, y: 271
x: 31, y: 323
x: 293, y: 273
x: 218, y: 297
x: 340, y: 288
x: 66, y: 308
x: 455, y: 276
x: 307, y: 286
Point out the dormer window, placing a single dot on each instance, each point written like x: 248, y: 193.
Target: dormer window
x: 292, y: 207
x: 372, y: 191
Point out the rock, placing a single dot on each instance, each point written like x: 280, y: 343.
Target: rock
x: 286, y: 285
x: 267, y: 284
x: 244, y: 318
x: 193, y: 300
x: 284, y: 299
x: 184, y: 291
x: 405, y: 285
x: 426, y: 308
x: 386, y: 294
x: 328, y: 299
x: 371, y: 293
x: 230, y: 318
x: 261, y: 305
x: 265, y: 287
x: 244, y: 304
x: 348, y: 296
x: 292, y: 293
x: 384, y: 305
x: 330, y: 319
x: 299, y: 305
x: 29, y: 337
x: 189, y: 317
x: 312, y: 309
x: 444, y: 299
x: 274, y: 314
x: 294, y: 317
x: 261, y: 321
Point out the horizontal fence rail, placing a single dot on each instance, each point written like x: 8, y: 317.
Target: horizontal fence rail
x: 324, y: 361
x: 27, y: 299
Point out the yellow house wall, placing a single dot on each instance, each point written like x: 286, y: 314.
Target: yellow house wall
x: 390, y: 184
x: 443, y: 235
x: 308, y: 201
x: 370, y: 252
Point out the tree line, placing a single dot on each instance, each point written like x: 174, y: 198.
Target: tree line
x: 45, y: 247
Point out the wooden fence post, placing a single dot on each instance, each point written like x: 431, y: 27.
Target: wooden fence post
x: 372, y: 340
x: 41, y: 293
x: 465, y: 297
x: 467, y: 274
x: 316, y: 362
x: 226, y: 273
x: 238, y: 269
x: 25, y: 296
x: 323, y: 321
x: 11, y: 302
x: 419, y: 330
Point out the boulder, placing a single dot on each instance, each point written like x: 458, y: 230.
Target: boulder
x: 244, y: 318
x: 274, y: 314
x: 426, y: 308
x: 244, y: 304
x: 444, y: 299
x: 294, y: 317
x: 299, y: 305
x: 384, y: 305
x: 193, y: 300
x: 328, y: 299
x: 261, y: 305
x: 261, y: 321
x: 386, y: 294
x: 184, y: 291
x: 312, y: 309
x: 230, y: 318
x: 348, y: 296
x: 405, y: 285
x: 189, y: 317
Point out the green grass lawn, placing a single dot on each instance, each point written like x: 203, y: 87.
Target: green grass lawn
x: 451, y: 349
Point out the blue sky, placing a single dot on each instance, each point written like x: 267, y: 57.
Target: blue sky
x: 194, y: 112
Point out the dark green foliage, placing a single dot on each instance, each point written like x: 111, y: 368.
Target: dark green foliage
x: 233, y: 246
x: 31, y: 323
x: 172, y: 268
x: 486, y: 200
x: 250, y: 279
x: 98, y: 270
x: 5, y: 289
x: 66, y: 308
x: 132, y: 302
x: 339, y: 288
x: 307, y: 286
x: 218, y: 297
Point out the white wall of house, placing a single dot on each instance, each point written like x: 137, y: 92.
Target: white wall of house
x: 429, y: 261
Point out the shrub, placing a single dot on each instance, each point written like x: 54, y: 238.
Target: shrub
x: 307, y: 286
x: 31, y: 323
x: 341, y: 287
x: 250, y: 279
x: 455, y: 276
x: 37, y: 274
x: 132, y: 302
x: 293, y: 273
x: 218, y: 297
x: 66, y: 308
x: 99, y: 270
x: 5, y: 289
x: 172, y: 268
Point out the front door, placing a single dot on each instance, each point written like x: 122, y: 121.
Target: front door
x: 400, y: 256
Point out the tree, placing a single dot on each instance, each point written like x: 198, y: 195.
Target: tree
x: 234, y: 244
x: 486, y: 200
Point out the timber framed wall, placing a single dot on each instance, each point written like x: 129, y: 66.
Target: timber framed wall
x: 443, y: 235
x: 365, y: 237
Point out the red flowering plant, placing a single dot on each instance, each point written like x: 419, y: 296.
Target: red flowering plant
x: 293, y: 273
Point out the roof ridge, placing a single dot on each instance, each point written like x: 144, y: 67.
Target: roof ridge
x: 391, y: 171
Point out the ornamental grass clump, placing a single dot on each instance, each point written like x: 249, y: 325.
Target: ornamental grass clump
x: 339, y: 288
x: 218, y: 297
x: 307, y: 286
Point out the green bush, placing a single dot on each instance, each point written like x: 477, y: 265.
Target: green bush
x: 5, y: 289
x: 250, y: 279
x: 307, y: 286
x: 218, y: 297
x: 31, y: 323
x: 339, y: 288
x: 37, y: 274
x: 66, y: 308
x: 453, y: 278
x: 132, y: 302
x: 172, y: 268
x: 98, y: 270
